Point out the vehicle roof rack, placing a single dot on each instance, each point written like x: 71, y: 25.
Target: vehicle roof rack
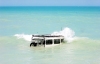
x: 47, y: 36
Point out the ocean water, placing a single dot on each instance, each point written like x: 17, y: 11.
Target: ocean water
x: 79, y: 25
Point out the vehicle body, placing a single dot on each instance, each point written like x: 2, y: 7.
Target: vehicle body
x: 46, y: 40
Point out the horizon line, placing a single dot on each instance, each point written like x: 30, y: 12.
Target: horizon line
x: 49, y: 6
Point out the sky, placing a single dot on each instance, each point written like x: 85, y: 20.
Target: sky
x: 49, y: 2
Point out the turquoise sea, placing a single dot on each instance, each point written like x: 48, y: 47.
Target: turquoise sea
x: 79, y: 25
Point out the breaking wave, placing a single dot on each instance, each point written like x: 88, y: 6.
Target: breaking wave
x: 69, y: 35
x: 24, y: 36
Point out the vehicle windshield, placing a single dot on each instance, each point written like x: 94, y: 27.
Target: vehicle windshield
x: 37, y: 40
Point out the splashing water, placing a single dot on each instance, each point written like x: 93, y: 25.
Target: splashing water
x: 24, y: 36
x: 69, y: 35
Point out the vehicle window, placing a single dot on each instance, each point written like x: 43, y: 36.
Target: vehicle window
x: 48, y: 42
x: 56, y: 41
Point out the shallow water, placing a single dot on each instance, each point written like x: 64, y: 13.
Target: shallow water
x: 81, y: 51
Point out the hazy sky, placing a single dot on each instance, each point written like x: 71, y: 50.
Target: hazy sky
x: 49, y: 2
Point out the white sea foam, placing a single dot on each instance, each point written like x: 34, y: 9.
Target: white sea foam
x: 68, y: 34
x: 24, y: 36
